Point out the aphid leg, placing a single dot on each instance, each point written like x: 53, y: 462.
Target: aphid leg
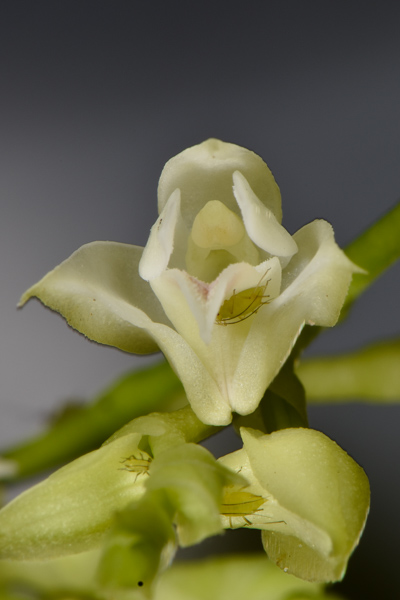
x: 137, y: 463
x: 251, y: 301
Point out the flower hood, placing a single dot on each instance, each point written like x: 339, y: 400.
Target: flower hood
x: 221, y: 288
x: 308, y: 496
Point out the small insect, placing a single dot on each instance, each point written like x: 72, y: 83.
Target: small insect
x: 237, y: 503
x: 138, y: 463
x: 243, y: 305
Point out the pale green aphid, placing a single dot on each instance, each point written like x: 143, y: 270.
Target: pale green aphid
x: 237, y: 503
x: 243, y: 305
x: 138, y: 463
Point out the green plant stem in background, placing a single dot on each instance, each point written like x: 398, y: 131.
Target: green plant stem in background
x: 138, y: 393
x: 374, y: 250
x: 372, y: 373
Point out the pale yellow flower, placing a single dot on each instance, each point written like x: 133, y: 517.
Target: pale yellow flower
x: 309, y: 498
x: 221, y: 288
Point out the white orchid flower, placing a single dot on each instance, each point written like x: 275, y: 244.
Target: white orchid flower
x: 309, y: 498
x: 221, y: 288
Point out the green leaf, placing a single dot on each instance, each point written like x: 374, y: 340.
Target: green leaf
x: 372, y: 373
x: 135, y: 394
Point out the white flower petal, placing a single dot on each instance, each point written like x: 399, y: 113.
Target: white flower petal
x: 203, y: 390
x: 225, y: 344
x: 160, y: 244
x: 180, y: 294
x: 205, y: 369
x: 316, y: 280
x: 270, y: 516
x: 99, y: 292
x: 204, y: 172
x: 325, y: 496
x: 219, y: 359
x: 267, y: 346
x: 260, y: 222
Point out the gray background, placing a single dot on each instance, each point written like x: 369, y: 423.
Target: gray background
x: 96, y: 96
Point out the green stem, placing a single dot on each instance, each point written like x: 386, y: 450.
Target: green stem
x: 375, y: 250
x: 138, y: 393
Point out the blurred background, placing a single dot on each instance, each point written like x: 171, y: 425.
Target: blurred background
x: 97, y: 95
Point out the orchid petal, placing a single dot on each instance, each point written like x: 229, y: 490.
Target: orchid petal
x: 261, y: 225
x: 72, y: 509
x: 207, y: 398
x: 215, y: 364
x: 160, y: 244
x: 182, y: 294
x: 193, y: 481
x: 324, y: 495
x: 316, y: 281
x: 318, y: 276
x: 204, y: 172
x: 99, y: 292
